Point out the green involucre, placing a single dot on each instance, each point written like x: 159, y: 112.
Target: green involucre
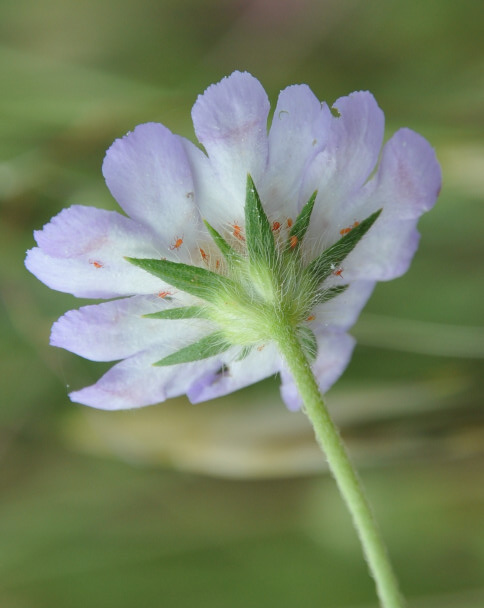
x: 269, y: 286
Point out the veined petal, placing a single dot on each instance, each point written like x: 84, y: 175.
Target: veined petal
x: 136, y: 382
x: 230, y: 120
x: 349, y: 157
x: 406, y: 185
x: 81, y: 251
x: 299, y: 130
x: 117, y: 329
x: 214, y: 196
x: 409, y: 177
x: 334, y: 354
x: 259, y: 364
x: 149, y: 175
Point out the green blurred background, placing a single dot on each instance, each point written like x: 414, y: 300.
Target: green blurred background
x: 227, y: 504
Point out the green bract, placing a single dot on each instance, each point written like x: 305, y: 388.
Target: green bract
x: 264, y: 285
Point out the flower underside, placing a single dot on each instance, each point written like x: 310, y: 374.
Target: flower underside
x: 262, y: 283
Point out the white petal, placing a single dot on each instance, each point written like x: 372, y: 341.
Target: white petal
x: 348, y: 159
x: 343, y: 310
x: 230, y: 120
x: 149, y: 175
x: 81, y: 251
x: 299, y: 131
x: 117, y: 329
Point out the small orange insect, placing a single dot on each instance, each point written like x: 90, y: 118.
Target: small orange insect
x: 164, y: 294
x: 96, y: 264
x: 289, y: 222
x: 237, y: 232
x: 349, y: 229
x: 338, y: 272
x: 275, y: 226
x: 204, y: 255
x: 293, y: 241
x: 311, y: 318
x: 217, y: 264
x: 178, y: 243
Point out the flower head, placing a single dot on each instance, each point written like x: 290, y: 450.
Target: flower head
x: 222, y: 247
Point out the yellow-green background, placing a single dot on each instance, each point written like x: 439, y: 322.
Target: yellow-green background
x: 227, y: 504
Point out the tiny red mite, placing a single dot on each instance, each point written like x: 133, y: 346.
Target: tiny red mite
x: 349, y: 228
x: 237, y: 232
x: 177, y: 244
x: 203, y: 254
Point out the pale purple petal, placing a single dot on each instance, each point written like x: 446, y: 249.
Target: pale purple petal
x: 334, y: 353
x: 259, y: 364
x: 349, y: 157
x: 407, y: 184
x: 409, y: 177
x: 136, y: 382
x: 214, y: 196
x: 81, y: 251
x: 385, y: 252
x: 343, y: 310
x: 230, y: 120
x: 149, y: 175
x: 117, y: 329
x: 299, y: 131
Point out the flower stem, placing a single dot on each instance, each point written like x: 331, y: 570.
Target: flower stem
x: 339, y: 463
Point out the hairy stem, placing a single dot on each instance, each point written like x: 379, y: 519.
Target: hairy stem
x: 345, y: 475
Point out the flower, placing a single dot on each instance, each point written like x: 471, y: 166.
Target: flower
x: 208, y: 261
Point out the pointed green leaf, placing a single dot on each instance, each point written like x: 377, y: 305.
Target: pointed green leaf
x: 308, y: 342
x: 227, y: 251
x: 211, y: 345
x: 194, y: 280
x: 184, y: 312
x: 325, y: 295
x: 330, y: 260
x: 258, y: 233
x: 301, y: 224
